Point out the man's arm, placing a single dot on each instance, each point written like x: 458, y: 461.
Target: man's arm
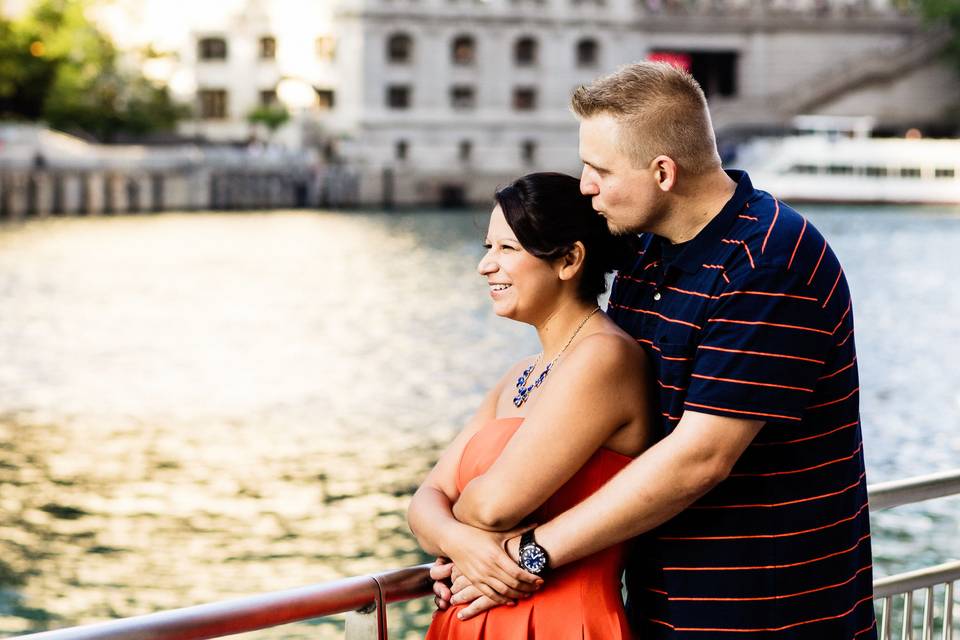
x: 660, y: 483
x: 663, y: 481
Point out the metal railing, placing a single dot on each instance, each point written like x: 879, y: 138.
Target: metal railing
x: 364, y: 598
x: 900, y: 588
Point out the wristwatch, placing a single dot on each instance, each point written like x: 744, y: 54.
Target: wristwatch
x: 533, y: 557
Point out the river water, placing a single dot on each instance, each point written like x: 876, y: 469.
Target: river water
x: 201, y: 406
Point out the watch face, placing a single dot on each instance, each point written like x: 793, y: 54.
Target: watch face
x: 533, y: 559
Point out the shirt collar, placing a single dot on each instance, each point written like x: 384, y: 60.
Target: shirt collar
x: 691, y: 258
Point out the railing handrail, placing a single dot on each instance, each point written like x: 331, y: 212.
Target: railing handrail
x: 899, y: 492
x: 373, y: 592
x: 258, y: 612
x: 917, y: 579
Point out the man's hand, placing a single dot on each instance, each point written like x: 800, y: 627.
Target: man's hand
x: 440, y: 573
x: 480, y: 556
x: 465, y: 593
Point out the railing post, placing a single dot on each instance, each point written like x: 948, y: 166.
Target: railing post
x: 369, y: 623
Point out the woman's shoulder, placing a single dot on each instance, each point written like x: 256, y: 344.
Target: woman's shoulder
x: 608, y: 351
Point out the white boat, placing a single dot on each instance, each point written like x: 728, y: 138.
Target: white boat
x: 834, y: 159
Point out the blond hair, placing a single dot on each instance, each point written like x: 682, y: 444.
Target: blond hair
x: 661, y: 110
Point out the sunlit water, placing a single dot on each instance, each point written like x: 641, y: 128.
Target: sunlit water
x: 196, y: 407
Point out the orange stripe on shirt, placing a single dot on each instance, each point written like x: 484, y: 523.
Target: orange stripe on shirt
x: 822, y: 251
x: 844, y: 341
x: 780, y: 504
x: 776, y: 214
x: 833, y: 288
x: 654, y: 313
x: 840, y: 370
x: 765, y: 630
x: 782, y: 473
x: 751, y: 382
x: 797, y: 246
x: 777, y: 597
x: 775, y: 566
x: 656, y: 348
x: 767, y: 536
x: 761, y: 353
x: 767, y: 293
x: 670, y: 386
x: 844, y: 316
x: 770, y: 324
x: 745, y: 248
x: 748, y: 413
x: 827, y: 404
x: 746, y: 217
x: 677, y: 289
x: 814, y: 437
x: 866, y: 630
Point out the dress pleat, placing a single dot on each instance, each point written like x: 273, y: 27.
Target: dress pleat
x: 578, y: 601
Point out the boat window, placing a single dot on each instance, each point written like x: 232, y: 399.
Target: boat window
x: 945, y: 172
x: 804, y: 168
x: 875, y: 172
x: 909, y: 172
x: 840, y: 169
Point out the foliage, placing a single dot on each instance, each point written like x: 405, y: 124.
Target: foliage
x: 947, y: 13
x: 57, y: 66
x: 271, y: 116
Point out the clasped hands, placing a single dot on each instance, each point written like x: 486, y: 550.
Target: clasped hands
x: 481, y: 571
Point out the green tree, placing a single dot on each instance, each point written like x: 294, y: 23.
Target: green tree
x: 271, y: 116
x: 70, y: 75
x: 947, y: 13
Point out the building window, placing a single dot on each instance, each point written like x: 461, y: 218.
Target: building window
x: 268, y: 97
x: 463, y: 50
x: 587, y: 53
x: 326, y: 99
x: 524, y: 99
x: 212, y: 49
x: 213, y: 104
x: 401, y: 149
x: 465, y: 150
x: 528, y: 151
x: 463, y: 98
x: 525, y: 52
x: 398, y: 96
x: 326, y: 48
x: 268, y: 48
x: 399, y: 48
x: 716, y: 71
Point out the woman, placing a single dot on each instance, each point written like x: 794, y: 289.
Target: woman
x: 553, y: 429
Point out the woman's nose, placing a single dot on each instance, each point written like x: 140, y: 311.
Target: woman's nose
x: 486, y: 265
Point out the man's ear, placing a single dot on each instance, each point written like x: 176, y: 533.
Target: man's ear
x: 572, y: 263
x: 664, y: 172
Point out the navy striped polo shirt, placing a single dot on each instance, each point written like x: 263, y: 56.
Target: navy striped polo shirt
x: 752, y: 319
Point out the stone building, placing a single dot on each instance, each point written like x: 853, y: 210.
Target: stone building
x: 441, y: 100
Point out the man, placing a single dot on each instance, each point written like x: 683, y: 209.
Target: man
x: 752, y: 507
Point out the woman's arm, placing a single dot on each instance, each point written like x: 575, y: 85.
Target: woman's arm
x: 599, y: 387
x: 478, y: 554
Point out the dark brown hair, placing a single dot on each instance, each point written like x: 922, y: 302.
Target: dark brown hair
x: 549, y: 215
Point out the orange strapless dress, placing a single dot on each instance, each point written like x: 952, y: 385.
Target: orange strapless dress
x: 579, y: 600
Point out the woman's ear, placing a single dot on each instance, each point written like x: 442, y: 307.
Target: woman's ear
x: 572, y: 263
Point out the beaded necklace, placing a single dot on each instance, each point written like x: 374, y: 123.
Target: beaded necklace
x: 523, y: 392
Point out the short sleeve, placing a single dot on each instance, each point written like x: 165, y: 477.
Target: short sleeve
x: 763, y: 345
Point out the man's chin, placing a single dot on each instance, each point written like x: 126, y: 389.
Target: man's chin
x: 619, y: 230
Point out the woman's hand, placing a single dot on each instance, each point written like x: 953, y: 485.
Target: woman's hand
x: 479, y: 555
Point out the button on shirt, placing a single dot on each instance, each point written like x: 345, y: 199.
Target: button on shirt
x: 753, y: 319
